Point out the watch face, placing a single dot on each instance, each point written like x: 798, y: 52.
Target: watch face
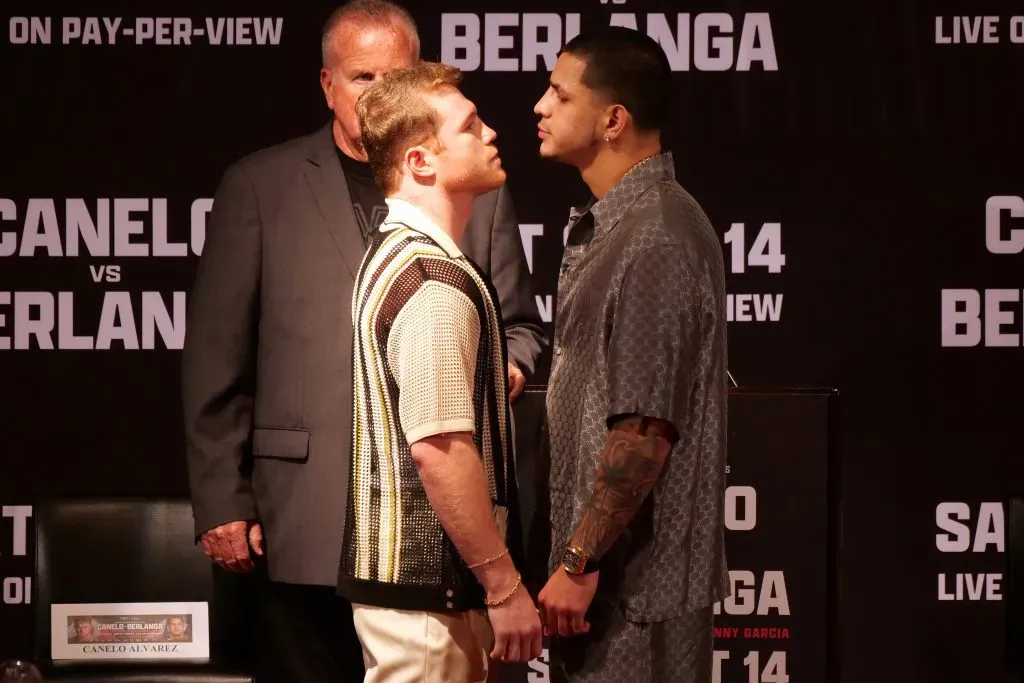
x: 572, y: 562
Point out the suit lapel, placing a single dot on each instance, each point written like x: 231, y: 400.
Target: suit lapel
x: 327, y: 182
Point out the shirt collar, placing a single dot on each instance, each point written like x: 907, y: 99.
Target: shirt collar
x: 609, y: 209
x: 401, y: 212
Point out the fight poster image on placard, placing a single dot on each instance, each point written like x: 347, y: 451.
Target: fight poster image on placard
x: 125, y: 631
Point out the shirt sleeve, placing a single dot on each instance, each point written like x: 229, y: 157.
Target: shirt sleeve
x: 654, y: 340
x: 432, y: 351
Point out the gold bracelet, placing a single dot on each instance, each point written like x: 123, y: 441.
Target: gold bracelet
x: 490, y: 559
x: 515, y: 587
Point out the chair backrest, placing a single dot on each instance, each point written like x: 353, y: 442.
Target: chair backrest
x: 135, y: 550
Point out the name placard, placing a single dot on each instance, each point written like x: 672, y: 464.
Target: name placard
x: 127, y: 631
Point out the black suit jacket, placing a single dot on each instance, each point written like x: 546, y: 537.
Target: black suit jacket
x: 266, y: 367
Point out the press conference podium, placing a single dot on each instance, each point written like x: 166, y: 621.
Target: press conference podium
x: 118, y: 550
x: 781, y: 541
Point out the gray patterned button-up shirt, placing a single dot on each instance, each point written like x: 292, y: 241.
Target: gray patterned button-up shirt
x: 641, y: 328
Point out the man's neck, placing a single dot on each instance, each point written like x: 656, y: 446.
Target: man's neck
x: 610, y: 165
x: 450, y: 212
x: 350, y: 148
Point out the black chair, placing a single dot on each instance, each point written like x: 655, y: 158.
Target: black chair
x: 136, y: 550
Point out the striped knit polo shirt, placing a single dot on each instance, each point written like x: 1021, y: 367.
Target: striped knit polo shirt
x: 429, y: 358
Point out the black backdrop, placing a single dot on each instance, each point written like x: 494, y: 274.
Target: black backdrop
x: 871, y: 144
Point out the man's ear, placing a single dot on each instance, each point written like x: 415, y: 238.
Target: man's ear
x: 419, y: 161
x: 326, y: 81
x: 615, y: 119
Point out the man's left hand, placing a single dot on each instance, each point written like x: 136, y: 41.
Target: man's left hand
x: 564, y: 602
x: 516, y: 381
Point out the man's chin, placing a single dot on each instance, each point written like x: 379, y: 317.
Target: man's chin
x: 492, y: 184
x: 485, y: 183
x: 547, y: 153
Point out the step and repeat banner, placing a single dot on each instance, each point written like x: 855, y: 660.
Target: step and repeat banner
x: 862, y: 163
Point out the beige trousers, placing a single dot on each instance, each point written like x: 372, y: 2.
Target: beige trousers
x: 401, y: 646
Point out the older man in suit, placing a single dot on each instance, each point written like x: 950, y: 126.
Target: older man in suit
x: 267, y: 362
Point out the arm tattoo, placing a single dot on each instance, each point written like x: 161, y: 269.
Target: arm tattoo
x: 629, y: 467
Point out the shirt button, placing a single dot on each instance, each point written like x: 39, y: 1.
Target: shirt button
x: 449, y: 605
x: 449, y: 592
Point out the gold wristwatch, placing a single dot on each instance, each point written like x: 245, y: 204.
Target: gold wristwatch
x: 576, y: 562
